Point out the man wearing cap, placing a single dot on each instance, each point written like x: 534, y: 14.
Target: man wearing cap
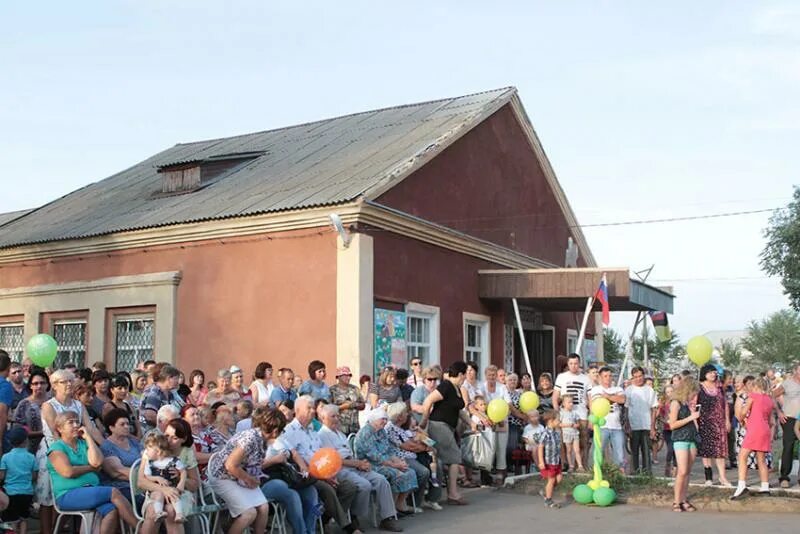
x: 349, y: 400
x: 359, y: 472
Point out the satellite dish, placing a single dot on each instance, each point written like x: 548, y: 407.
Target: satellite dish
x: 571, y: 254
x: 336, y: 222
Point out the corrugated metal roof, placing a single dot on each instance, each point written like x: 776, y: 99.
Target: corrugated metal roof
x: 11, y: 215
x: 321, y: 163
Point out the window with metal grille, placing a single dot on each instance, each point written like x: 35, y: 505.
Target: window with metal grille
x: 135, y: 338
x: 12, y: 340
x: 476, y: 341
x: 418, y: 335
x: 70, y: 337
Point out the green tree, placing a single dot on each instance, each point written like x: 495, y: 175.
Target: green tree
x: 781, y: 254
x: 613, y: 346
x: 730, y: 351
x: 664, y: 357
x: 774, y: 341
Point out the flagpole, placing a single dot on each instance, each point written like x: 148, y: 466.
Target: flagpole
x: 629, y: 349
x: 584, y: 323
x: 522, y: 337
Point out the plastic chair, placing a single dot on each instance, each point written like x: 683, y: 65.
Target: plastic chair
x: 197, y: 511
x: 87, y: 516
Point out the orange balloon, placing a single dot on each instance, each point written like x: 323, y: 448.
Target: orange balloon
x: 325, y: 463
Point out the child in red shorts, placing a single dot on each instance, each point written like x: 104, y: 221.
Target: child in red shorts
x: 549, y: 456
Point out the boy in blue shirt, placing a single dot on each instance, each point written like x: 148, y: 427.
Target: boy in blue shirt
x: 17, y: 473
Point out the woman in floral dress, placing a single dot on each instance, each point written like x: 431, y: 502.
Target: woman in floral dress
x: 373, y: 444
x: 349, y: 400
x: 713, y: 424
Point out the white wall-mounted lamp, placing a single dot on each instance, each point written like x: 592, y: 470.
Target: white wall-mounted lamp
x: 336, y: 222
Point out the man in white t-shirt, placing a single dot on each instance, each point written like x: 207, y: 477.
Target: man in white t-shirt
x: 573, y: 382
x: 612, y: 433
x: 642, y: 403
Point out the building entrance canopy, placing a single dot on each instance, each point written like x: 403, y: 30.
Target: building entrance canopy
x: 569, y: 289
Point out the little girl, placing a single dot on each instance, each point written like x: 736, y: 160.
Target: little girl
x: 759, y: 406
x: 479, y: 417
x: 570, y: 423
x: 424, y: 438
x: 160, y: 467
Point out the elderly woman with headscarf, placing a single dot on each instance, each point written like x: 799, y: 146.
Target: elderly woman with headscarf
x: 412, y: 451
x: 374, y: 444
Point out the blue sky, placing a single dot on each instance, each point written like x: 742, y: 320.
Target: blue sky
x: 646, y: 111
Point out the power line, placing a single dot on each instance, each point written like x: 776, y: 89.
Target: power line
x: 678, y: 219
x: 597, y: 225
x: 715, y: 279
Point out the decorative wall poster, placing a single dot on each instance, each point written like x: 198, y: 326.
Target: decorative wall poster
x: 390, y: 339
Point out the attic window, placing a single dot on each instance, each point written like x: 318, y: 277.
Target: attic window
x: 191, y: 175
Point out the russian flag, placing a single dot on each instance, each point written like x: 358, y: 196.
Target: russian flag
x: 602, y: 296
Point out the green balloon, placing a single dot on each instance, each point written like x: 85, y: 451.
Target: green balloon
x: 42, y: 350
x: 601, y: 421
x: 582, y: 494
x: 604, y: 496
x: 593, y: 419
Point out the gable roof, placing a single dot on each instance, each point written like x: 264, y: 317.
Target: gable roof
x: 322, y: 163
x: 11, y: 215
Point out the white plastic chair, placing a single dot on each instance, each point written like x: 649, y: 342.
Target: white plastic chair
x: 203, y: 512
x: 87, y: 516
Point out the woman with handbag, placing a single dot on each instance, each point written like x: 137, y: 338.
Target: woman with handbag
x: 234, y: 472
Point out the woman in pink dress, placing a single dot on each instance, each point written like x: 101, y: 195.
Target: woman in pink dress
x: 759, y: 406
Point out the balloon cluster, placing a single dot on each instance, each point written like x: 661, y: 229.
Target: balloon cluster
x: 597, y: 490
x: 498, y: 409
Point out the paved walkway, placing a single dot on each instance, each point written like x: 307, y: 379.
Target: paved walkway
x: 505, y: 512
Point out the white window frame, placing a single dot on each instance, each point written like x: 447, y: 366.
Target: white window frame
x: 572, y: 336
x: 431, y: 313
x: 485, y: 350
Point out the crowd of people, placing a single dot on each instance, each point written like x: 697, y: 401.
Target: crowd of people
x: 72, y: 436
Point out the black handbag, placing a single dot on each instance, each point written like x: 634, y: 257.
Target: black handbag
x: 290, y: 474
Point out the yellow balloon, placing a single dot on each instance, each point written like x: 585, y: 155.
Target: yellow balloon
x: 600, y: 407
x: 497, y: 410
x: 699, y: 349
x: 528, y: 401
x: 605, y: 484
x: 594, y: 484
